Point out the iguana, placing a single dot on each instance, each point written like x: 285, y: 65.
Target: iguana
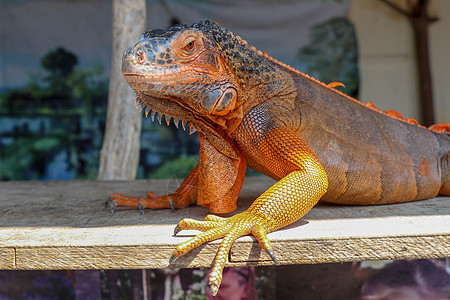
x: 252, y: 110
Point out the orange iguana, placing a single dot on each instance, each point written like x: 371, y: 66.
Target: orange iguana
x: 251, y: 110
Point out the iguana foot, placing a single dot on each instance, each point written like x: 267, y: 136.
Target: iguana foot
x: 213, y: 228
x: 184, y: 196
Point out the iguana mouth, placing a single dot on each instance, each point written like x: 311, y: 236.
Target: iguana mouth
x: 131, y: 71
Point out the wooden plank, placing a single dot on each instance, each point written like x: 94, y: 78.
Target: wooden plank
x: 64, y: 225
x: 7, y: 258
x: 127, y: 247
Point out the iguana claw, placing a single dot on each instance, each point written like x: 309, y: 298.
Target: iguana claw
x: 172, y: 258
x: 272, y: 256
x: 141, y: 207
x: 112, y: 206
x: 177, y: 229
x: 214, y: 288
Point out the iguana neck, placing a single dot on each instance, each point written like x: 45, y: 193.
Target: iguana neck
x: 259, y: 76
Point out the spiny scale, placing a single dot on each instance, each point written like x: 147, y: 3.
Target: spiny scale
x: 176, y: 122
x: 139, y: 104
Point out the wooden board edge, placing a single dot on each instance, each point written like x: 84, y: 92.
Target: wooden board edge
x: 243, y: 253
x: 7, y: 258
x: 345, y: 250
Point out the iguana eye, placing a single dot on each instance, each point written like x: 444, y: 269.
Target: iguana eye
x: 189, y: 44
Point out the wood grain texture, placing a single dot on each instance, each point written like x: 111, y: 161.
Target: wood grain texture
x: 64, y: 225
x: 7, y: 258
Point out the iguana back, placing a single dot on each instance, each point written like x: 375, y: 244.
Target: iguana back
x: 370, y: 157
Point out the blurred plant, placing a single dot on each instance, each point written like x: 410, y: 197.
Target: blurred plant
x: 69, y: 97
x: 59, y: 63
x: 88, y: 88
x: 332, y: 54
x: 26, y: 157
x: 61, y: 86
x: 177, y: 168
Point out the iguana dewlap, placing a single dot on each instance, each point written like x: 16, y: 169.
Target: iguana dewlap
x: 251, y: 110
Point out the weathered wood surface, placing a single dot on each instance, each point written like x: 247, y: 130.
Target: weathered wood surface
x: 64, y: 225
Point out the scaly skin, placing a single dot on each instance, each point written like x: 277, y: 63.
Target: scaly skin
x: 251, y: 110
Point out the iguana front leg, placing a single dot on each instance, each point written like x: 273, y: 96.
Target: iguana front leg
x: 303, y: 182
x: 214, y: 183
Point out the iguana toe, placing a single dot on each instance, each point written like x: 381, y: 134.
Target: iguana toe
x: 153, y: 201
x: 229, y: 229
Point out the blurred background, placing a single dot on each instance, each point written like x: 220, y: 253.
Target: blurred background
x: 55, y: 58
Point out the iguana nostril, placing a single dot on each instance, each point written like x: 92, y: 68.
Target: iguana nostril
x: 140, y: 56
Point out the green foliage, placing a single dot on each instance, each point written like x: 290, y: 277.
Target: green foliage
x: 332, y: 54
x: 178, y: 168
x: 61, y: 87
x: 59, y: 62
x: 87, y: 87
x: 85, y: 82
x: 26, y: 157
x: 68, y: 98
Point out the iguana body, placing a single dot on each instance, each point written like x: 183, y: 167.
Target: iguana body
x: 251, y: 110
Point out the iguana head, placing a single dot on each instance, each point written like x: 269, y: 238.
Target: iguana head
x: 200, y: 74
x: 182, y: 65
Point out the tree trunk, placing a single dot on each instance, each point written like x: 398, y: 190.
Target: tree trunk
x: 119, y: 156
